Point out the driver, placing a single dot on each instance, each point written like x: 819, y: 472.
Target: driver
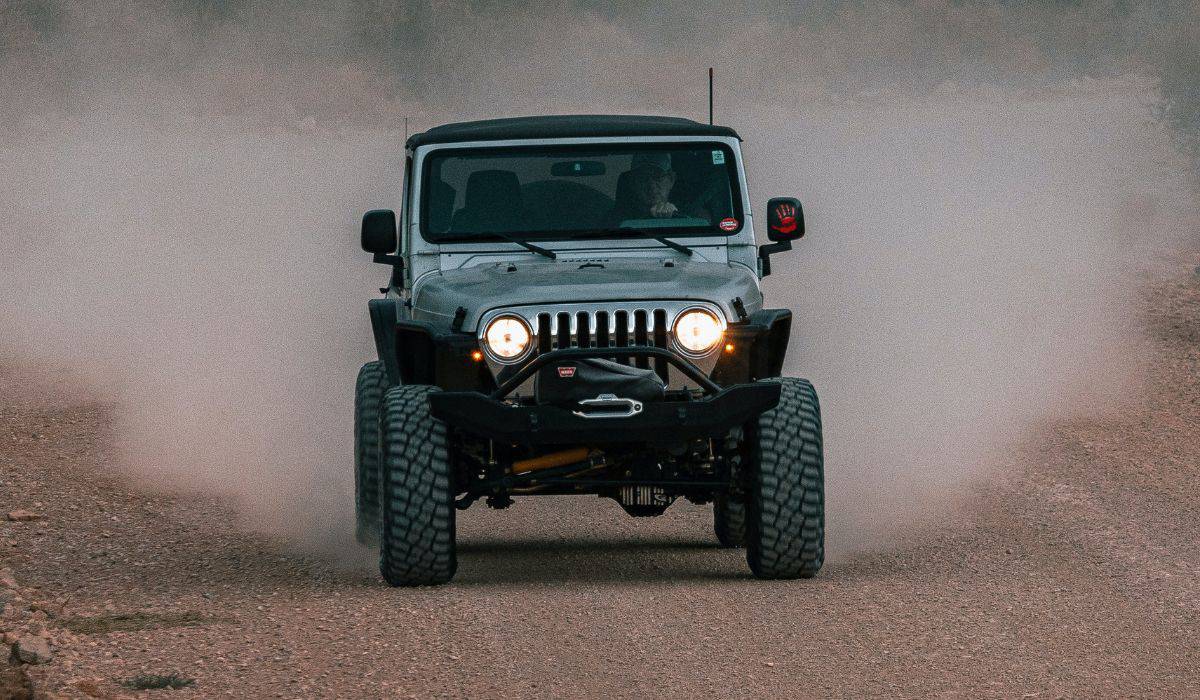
x: 650, y: 181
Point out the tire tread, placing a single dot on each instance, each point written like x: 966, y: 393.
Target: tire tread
x: 785, y: 535
x: 369, y: 388
x: 729, y: 521
x: 417, y: 545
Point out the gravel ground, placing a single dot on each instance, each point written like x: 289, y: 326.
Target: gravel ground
x: 1074, y: 574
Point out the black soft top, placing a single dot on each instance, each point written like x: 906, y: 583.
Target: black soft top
x: 567, y: 126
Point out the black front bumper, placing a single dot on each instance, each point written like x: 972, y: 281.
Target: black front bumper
x: 660, y: 422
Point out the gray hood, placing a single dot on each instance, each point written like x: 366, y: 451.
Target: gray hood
x: 481, y: 288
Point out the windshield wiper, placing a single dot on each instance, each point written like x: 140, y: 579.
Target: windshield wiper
x: 667, y: 242
x: 554, y: 256
x: 672, y: 244
x: 524, y: 244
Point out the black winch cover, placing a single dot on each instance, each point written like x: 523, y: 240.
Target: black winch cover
x: 568, y: 383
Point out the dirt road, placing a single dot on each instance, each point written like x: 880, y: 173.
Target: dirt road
x: 1075, y: 573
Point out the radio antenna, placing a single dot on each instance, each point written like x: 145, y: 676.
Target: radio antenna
x: 710, y: 110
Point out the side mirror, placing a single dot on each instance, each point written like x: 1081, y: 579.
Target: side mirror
x: 785, y: 219
x: 785, y: 223
x: 379, y: 231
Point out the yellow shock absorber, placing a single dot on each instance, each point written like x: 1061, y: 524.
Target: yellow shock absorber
x: 549, y: 461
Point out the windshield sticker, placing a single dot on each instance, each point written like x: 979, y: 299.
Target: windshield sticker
x: 718, y: 157
x: 729, y: 224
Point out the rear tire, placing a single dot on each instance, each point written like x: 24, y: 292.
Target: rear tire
x: 368, y: 401
x: 416, y: 540
x: 729, y: 521
x: 785, y: 514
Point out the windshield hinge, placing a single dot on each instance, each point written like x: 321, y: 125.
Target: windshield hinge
x: 739, y: 308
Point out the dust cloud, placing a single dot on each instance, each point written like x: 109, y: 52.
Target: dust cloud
x: 985, y: 183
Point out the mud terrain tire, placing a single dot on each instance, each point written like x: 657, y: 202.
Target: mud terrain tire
x: 416, y: 540
x: 729, y: 521
x: 785, y: 513
x: 368, y: 401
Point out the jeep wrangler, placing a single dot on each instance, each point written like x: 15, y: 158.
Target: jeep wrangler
x: 574, y: 307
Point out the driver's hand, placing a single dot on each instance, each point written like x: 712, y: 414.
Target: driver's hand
x: 663, y: 210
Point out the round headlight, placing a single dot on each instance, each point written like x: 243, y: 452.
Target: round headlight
x: 507, y: 337
x: 697, y: 331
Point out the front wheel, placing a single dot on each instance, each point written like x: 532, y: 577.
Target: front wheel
x: 416, y: 539
x: 785, y: 513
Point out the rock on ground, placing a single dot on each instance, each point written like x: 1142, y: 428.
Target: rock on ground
x: 23, y: 516
x: 33, y: 650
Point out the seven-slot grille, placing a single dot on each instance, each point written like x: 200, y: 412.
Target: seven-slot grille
x: 604, y: 329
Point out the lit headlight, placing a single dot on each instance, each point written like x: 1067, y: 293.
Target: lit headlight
x: 697, y: 331
x: 507, y: 338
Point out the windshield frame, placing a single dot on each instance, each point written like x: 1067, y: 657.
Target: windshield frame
x: 565, y: 147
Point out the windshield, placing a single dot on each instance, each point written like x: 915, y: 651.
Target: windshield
x: 564, y: 192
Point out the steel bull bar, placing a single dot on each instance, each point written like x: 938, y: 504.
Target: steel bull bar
x: 716, y: 413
